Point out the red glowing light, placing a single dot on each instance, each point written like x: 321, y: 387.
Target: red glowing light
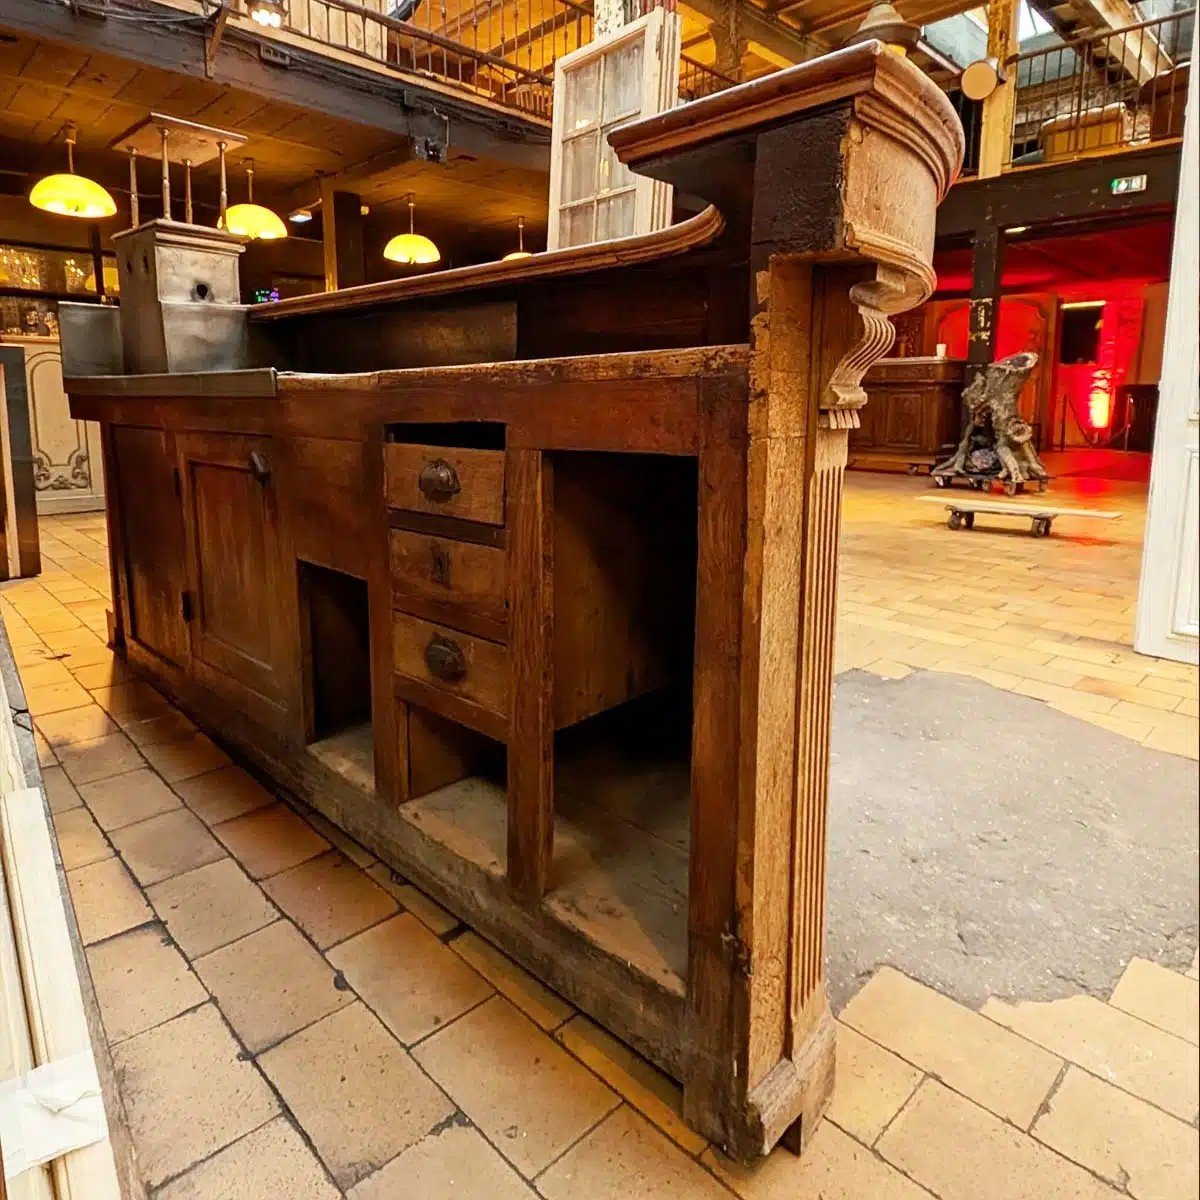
x: 1099, y: 408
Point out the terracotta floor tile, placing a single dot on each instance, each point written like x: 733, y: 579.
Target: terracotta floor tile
x: 355, y: 1092
x: 211, y: 906
x: 165, y: 726
x: 271, y: 983
x: 141, y: 981
x: 188, y: 1093
x: 86, y: 762
x: 357, y: 854
x: 329, y: 898
x: 61, y: 794
x: 106, y: 900
x: 1160, y: 996
x: 1174, y: 739
x: 223, y: 794
x: 185, y: 757
x: 409, y: 979
x: 102, y: 675
x: 871, y: 1087
x: 627, y: 1157
x: 539, y: 1003
x: 45, y: 755
x: 45, y: 674
x: 1122, y: 1139
x: 1002, y: 1072
x: 130, y: 700
x: 1138, y: 1057
x: 270, y: 840
x: 76, y: 725
x: 80, y: 839
x: 962, y: 1152
x: 431, y: 915
x: 645, y: 1087
x: 834, y: 1167
x: 271, y: 1163
x: 527, y: 1095
x: 166, y: 845
x: 83, y: 650
x: 451, y: 1162
x: 126, y: 799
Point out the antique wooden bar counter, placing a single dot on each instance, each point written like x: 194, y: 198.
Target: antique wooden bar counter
x: 524, y: 574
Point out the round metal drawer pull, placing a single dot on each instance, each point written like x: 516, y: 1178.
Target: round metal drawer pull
x: 439, y: 481
x: 445, y: 660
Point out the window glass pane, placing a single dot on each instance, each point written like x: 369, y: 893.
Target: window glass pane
x: 579, y: 167
x: 623, y: 81
x: 583, y: 97
x: 614, y: 216
x: 576, y: 225
x: 613, y: 173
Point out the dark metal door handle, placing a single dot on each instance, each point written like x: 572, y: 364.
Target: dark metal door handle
x: 260, y: 469
x: 439, y: 481
x: 445, y: 660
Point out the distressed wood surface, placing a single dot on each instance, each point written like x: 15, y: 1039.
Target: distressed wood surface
x: 723, y: 369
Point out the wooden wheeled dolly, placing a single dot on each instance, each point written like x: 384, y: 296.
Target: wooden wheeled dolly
x: 1041, y: 517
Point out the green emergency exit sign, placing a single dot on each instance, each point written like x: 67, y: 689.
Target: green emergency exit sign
x: 1125, y: 184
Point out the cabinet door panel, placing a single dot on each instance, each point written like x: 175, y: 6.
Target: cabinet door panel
x: 152, y: 556
x: 234, y: 553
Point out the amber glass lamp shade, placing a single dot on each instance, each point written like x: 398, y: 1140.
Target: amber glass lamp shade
x: 254, y: 222
x: 520, y: 251
x: 72, y: 196
x: 411, y: 248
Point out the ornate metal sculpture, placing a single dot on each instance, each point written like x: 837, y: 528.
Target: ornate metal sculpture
x: 998, y: 442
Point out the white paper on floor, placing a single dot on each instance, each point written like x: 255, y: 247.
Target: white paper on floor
x: 50, y: 1111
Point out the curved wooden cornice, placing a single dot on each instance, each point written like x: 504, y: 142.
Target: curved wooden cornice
x: 889, y: 93
x: 698, y: 231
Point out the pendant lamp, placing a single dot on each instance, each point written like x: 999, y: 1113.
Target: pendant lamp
x: 70, y: 194
x: 251, y: 220
x: 520, y: 251
x: 411, y: 248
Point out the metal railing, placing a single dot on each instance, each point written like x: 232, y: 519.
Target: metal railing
x: 1103, y: 91
x: 697, y: 80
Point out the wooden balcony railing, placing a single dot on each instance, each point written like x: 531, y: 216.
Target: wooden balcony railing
x: 1102, y: 92
x: 502, y: 50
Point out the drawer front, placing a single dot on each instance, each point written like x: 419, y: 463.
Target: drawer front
x: 471, y: 668
x: 467, y: 484
x: 452, y: 582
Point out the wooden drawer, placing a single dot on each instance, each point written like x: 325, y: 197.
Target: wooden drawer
x: 446, y: 480
x: 456, y: 664
x: 456, y: 583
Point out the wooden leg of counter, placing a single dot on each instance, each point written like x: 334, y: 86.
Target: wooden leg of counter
x: 530, y: 486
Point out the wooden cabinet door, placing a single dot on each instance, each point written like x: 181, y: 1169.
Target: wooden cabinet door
x: 150, y: 551
x: 231, y: 511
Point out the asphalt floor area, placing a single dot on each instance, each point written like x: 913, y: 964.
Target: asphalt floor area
x: 989, y: 845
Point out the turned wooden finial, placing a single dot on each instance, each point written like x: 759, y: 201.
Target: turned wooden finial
x: 883, y: 23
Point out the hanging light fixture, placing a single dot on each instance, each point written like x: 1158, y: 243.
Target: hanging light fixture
x: 267, y: 13
x: 70, y: 194
x: 251, y: 220
x: 411, y: 248
x: 520, y: 251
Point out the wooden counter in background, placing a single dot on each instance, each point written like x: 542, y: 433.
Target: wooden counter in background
x: 914, y: 409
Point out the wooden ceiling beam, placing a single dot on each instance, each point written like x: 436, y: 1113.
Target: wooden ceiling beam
x: 349, y: 179
x: 790, y: 44
x: 1140, y: 54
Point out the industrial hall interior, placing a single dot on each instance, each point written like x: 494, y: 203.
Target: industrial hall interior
x: 599, y: 599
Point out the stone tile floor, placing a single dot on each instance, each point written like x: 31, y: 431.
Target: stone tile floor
x: 290, y: 1019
